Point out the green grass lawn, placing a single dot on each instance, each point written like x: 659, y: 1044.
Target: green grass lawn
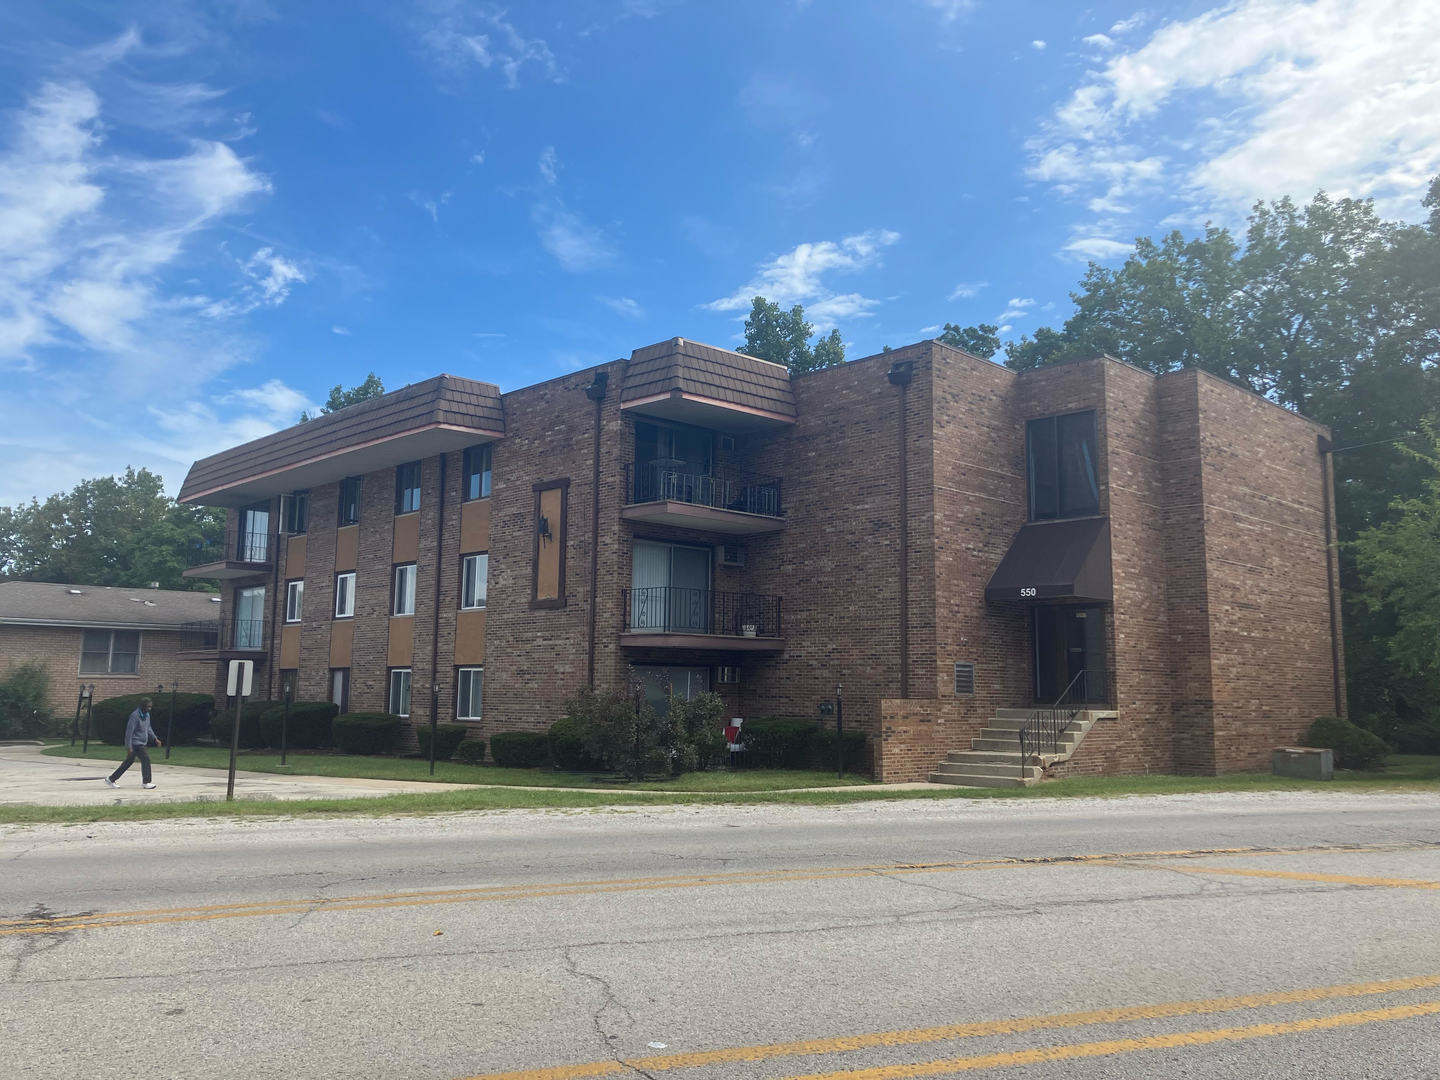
x: 450, y: 772
x: 1401, y: 773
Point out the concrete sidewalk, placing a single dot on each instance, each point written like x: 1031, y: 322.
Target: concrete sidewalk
x: 27, y: 776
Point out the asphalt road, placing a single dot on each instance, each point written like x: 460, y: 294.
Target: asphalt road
x: 1255, y: 935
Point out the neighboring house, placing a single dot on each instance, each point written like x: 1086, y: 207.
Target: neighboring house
x: 958, y: 544
x: 120, y: 641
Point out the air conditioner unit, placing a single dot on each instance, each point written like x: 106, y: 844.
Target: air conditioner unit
x: 728, y: 675
x: 732, y: 555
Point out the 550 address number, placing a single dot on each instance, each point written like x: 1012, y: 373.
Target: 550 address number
x: 1025, y: 594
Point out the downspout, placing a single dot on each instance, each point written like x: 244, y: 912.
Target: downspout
x: 275, y: 602
x: 435, y: 625
x: 1327, y: 480
x: 900, y: 374
x: 596, y: 393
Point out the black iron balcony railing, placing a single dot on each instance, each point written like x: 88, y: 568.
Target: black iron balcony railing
x: 239, y: 634
x: 720, y: 491
x: 255, y: 548
x: 665, y: 609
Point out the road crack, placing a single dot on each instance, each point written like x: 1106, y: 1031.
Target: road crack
x: 609, y: 999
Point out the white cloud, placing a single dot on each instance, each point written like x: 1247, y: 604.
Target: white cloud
x: 1015, y: 308
x: 549, y: 165
x: 967, y: 290
x: 1097, y: 248
x: 577, y: 245
x: 1038, y: 45
x: 1099, y: 41
x: 477, y: 158
x: 1259, y: 99
x: 623, y: 305
x: 459, y: 36
x: 950, y: 10
x: 342, y: 331
x: 795, y: 278
x: 431, y: 204
x: 1134, y: 22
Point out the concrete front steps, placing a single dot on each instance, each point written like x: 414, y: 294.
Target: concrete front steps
x: 993, y: 759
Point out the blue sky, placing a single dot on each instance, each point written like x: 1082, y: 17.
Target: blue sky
x: 210, y: 213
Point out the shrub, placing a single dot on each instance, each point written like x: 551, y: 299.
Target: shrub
x: 857, y: 754
x: 1355, y: 748
x: 567, y: 742
x: 193, y: 713
x: 520, y: 749
x: 307, y: 728
x: 222, y: 724
x: 24, y: 711
x: 365, y: 733
x: 447, y: 740
x: 471, y: 752
x: 698, y: 728
x: 780, y: 742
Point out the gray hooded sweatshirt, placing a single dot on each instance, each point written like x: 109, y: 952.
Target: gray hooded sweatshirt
x: 138, y: 731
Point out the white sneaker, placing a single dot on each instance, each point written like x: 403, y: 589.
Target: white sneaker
x: 147, y: 785
x: 109, y: 782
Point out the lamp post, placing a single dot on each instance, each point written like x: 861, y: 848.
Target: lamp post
x: 289, y: 687
x: 434, y: 721
x: 79, y: 705
x: 839, y: 732
x: 170, y: 723
x: 87, y: 694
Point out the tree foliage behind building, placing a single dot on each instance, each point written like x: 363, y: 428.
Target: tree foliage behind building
x: 783, y: 337
x: 341, y: 398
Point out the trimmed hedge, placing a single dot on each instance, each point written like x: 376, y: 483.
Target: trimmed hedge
x: 1355, y: 748
x: 471, y: 752
x: 857, y: 757
x: 308, y: 727
x: 447, y: 740
x: 222, y: 724
x: 365, y: 733
x: 192, y: 716
x: 779, y: 742
x: 520, y: 749
x: 567, y: 745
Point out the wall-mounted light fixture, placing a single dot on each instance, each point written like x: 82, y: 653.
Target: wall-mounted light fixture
x: 543, y: 528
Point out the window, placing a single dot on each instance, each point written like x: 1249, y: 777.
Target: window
x: 407, y: 488
x: 250, y: 617
x: 345, y: 595
x: 340, y: 688
x: 400, y: 691
x: 467, y: 693
x: 474, y: 570
x: 110, y: 652
x: 349, y: 500
x: 1060, y: 463
x: 254, y: 545
x: 670, y: 588
x: 404, y: 593
x: 294, y: 600
x: 477, y: 473
x: 297, y: 512
x: 661, y: 683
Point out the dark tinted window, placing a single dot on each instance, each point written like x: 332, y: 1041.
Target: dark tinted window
x: 1060, y: 463
x: 350, y: 500
x: 477, y: 473
x: 297, y: 512
x: 407, y: 487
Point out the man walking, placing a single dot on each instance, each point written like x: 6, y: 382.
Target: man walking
x: 138, y: 734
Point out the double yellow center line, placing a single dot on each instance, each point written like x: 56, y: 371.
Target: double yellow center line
x: 946, y: 1033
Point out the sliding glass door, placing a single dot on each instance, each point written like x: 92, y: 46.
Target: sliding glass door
x: 670, y: 588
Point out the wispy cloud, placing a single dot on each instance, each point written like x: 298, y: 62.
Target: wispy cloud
x: 950, y: 10
x: 1276, y: 97
x: 342, y: 331
x: 1038, y: 45
x: 549, y: 165
x: 461, y: 37
x: 795, y: 277
x: 431, y: 204
x: 576, y: 245
x: 967, y: 290
x: 1016, y: 308
x: 623, y: 305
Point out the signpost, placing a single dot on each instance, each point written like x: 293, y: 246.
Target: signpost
x: 87, y: 693
x: 839, y: 732
x: 285, y: 718
x: 434, y: 722
x: 242, y: 672
x: 79, y: 705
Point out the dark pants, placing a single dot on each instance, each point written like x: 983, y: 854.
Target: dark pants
x: 135, y: 752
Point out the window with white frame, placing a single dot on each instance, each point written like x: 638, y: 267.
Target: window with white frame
x: 474, y: 571
x: 467, y: 693
x: 110, y: 652
x: 404, y: 593
x: 400, y: 691
x: 345, y: 595
x: 294, y: 600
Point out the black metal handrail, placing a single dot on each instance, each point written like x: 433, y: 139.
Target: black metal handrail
x: 720, y: 491
x: 255, y: 548
x: 237, y: 634
x: 666, y: 609
x: 1046, y: 726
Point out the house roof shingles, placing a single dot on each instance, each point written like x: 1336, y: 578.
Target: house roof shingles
x: 708, y: 372
x: 44, y: 603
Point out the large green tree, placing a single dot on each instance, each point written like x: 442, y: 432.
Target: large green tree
x: 341, y: 398
x: 784, y: 338
x: 982, y: 341
x: 113, y: 530
x: 1325, y: 308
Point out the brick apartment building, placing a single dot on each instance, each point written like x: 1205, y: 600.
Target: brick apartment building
x: 117, y: 640
x: 948, y: 539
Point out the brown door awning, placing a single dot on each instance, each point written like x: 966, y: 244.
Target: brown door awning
x: 1056, y: 560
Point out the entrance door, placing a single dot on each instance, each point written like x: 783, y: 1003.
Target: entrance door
x: 1069, y: 654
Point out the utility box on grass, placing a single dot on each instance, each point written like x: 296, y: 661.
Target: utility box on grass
x: 1303, y: 762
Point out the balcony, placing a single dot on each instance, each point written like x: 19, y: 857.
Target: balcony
x: 240, y: 639
x: 719, y: 503
x: 669, y: 617
x: 240, y: 554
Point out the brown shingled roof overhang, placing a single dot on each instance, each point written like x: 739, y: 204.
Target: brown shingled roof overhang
x: 432, y: 417
x: 693, y: 383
